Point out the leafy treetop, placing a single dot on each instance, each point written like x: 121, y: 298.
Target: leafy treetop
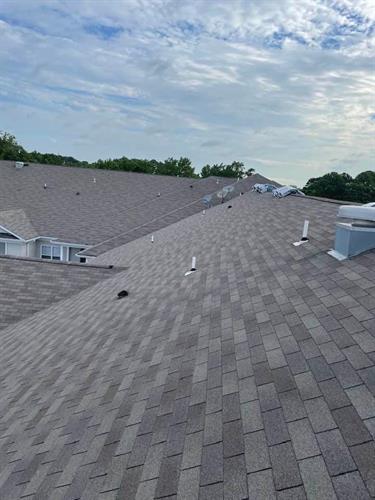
x: 11, y: 150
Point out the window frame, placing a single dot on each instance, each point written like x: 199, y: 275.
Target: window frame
x: 51, y: 248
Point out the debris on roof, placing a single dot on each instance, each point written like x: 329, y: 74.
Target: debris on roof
x: 283, y: 191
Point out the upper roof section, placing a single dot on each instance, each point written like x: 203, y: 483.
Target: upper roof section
x: 87, y: 206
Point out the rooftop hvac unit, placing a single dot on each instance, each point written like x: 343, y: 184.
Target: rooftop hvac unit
x: 19, y: 164
x: 357, y: 236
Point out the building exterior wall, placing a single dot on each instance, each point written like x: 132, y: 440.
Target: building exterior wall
x: 67, y: 252
x: 15, y: 248
x: 33, y: 249
x: 72, y: 254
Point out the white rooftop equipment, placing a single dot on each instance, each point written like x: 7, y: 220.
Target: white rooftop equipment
x: 358, y: 234
x: 263, y: 188
x: 283, y: 191
x: 19, y: 164
x: 223, y: 194
x: 206, y: 200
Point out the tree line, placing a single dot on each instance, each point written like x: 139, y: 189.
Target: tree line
x: 343, y: 186
x: 333, y: 185
x: 10, y: 149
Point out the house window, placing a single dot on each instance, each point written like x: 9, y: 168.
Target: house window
x: 2, y: 248
x: 51, y: 252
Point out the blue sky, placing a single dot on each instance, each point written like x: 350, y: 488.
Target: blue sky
x: 286, y: 86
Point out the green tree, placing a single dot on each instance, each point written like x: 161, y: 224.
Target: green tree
x: 367, y: 178
x: 234, y: 170
x: 185, y: 168
x: 332, y: 185
x: 10, y: 149
x: 206, y: 171
x: 343, y: 187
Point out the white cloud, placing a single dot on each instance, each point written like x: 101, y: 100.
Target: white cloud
x: 283, y: 85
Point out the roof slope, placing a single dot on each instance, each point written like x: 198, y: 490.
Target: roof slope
x: 18, y: 223
x: 253, y: 375
x: 28, y: 286
x: 116, y: 203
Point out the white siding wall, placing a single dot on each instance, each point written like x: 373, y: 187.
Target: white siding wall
x: 31, y: 249
x: 16, y: 248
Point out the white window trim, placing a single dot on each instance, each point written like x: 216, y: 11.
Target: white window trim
x: 51, y: 248
x: 5, y: 230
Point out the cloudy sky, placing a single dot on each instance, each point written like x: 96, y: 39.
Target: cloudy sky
x: 286, y: 86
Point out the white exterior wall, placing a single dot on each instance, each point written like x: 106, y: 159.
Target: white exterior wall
x: 16, y: 248
x: 68, y: 253
x: 31, y: 249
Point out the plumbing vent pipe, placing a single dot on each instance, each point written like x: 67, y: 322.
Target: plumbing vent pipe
x: 193, y: 266
x: 304, y: 238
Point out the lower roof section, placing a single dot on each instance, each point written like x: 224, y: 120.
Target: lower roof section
x: 28, y: 285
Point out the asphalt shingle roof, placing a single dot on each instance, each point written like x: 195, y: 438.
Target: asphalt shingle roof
x: 28, y: 286
x: 116, y: 203
x: 18, y: 222
x: 251, y: 378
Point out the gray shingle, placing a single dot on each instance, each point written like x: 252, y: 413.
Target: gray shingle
x: 335, y: 452
x: 251, y: 417
x: 319, y: 415
x: 350, y: 486
x: 285, y: 469
x: 316, y: 479
x: 212, y: 464
x: 334, y: 394
x: 188, y: 484
x: 357, y: 358
x: 146, y: 490
x: 192, y: 452
x: 233, y: 440
x: 368, y: 377
x: 261, y: 485
x: 256, y: 452
x: 345, y: 374
x: 275, y: 427
x: 307, y: 386
x: 364, y: 457
x: 213, y: 428
x: 365, y: 341
x: 351, y: 426
x: 231, y: 407
x: 168, y: 479
x: 303, y: 439
x: 247, y: 389
x: 235, y: 480
x: 297, y: 493
x: 284, y: 381
x: 297, y: 363
x: 268, y: 397
x: 320, y: 369
x: 362, y: 400
x: 292, y: 405
x: 211, y: 491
